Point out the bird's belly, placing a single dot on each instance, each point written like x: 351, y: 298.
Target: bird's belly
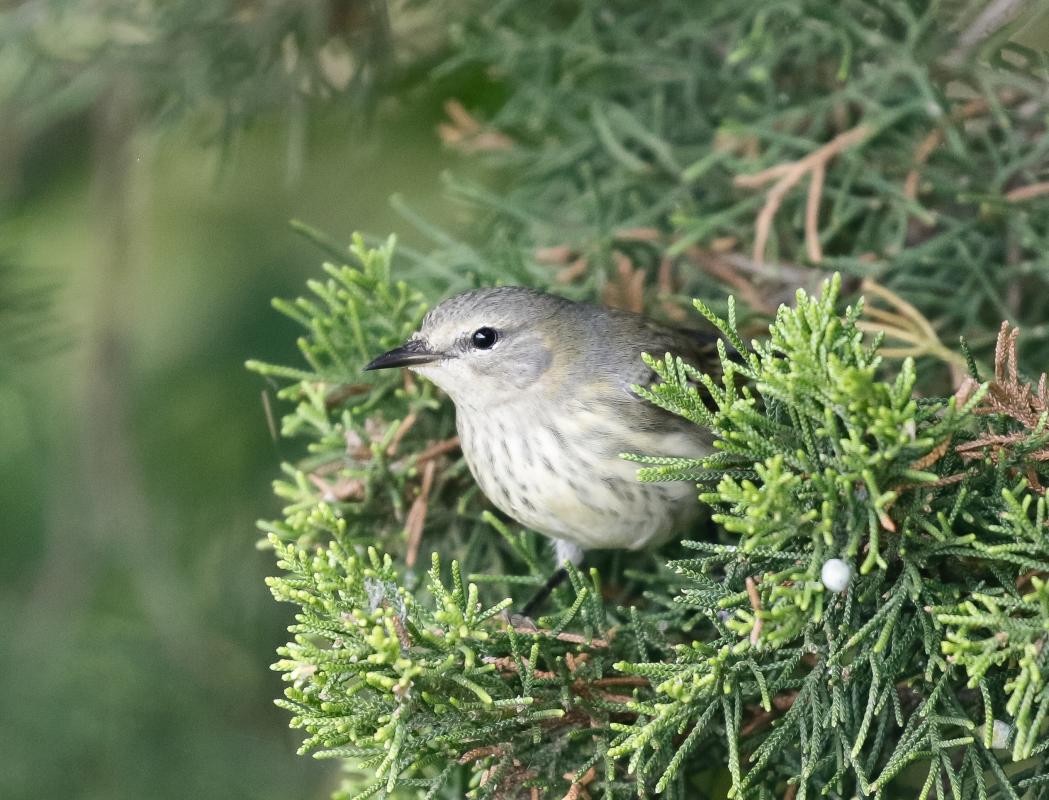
x: 563, y: 477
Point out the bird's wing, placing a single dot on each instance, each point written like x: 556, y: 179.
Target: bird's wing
x: 633, y: 335
x: 668, y: 433
x: 695, y: 347
x: 612, y: 365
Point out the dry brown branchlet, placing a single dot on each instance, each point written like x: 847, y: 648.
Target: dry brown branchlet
x: 1009, y: 396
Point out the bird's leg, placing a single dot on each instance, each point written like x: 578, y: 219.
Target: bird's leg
x: 552, y: 583
x: 563, y: 551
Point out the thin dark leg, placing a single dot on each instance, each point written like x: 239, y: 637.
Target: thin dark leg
x: 552, y: 583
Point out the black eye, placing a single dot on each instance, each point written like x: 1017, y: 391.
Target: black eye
x: 484, y: 338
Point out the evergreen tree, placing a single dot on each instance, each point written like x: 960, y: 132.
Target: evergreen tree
x: 867, y: 616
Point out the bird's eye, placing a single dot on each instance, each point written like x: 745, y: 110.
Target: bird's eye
x: 484, y: 338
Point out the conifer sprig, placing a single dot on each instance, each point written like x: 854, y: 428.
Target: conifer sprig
x: 745, y: 664
x: 855, y: 688
x: 682, y: 149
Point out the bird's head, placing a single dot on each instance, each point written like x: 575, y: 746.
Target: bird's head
x: 486, y: 346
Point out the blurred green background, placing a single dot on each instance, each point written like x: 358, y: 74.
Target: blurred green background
x: 139, y: 258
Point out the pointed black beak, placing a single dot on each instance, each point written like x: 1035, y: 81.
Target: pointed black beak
x: 410, y: 354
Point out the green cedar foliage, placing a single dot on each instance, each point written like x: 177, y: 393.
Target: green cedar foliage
x: 675, y: 135
x: 648, y: 154
x: 736, y: 672
x: 942, y: 626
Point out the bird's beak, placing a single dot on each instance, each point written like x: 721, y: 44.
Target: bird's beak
x: 412, y: 353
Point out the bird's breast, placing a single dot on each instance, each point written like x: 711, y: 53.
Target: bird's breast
x: 560, y: 473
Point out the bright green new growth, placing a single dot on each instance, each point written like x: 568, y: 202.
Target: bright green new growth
x: 737, y: 673
x: 820, y: 459
x: 368, y: 662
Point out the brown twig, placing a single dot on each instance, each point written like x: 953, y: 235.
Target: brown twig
x: 638, y: 235
x: 417, y: 514
x: 574, y: 662
x: 402, y: 632
x: 722, y: 269
x: 579, y: 686
x: 558, y: 254
x: 667, y: 288
x: 574, y: 638
x: 925, y: 149
x: 944, y: 481
x: 665, y: 276
x: 508, y: 665
x: 755, y: 604
x: 343, y: 392
x: 629, y: 680
x: 627, y: 290
x: 974, y: 108
x: 904, y: 323
x: 774, y: 271
x: 464, y: 133
x: 1027, y: 192
x: 990, y: 440
x: 577, y: 789
x: 1023, y: 581
x: 786, y: 176
x: 1032, y: 478
x: 1008, y: 396
x: 402, y: 429
x: 481, y: 752
x: 577, y: 269
x: 933, y: 455
x: 438, y: 449
x: 341, y: 490
x: 812, y: 214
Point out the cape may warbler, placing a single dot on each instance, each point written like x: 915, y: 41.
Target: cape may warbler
x: 544, y: 408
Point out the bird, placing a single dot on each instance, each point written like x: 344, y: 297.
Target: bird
x: 545, y: 408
